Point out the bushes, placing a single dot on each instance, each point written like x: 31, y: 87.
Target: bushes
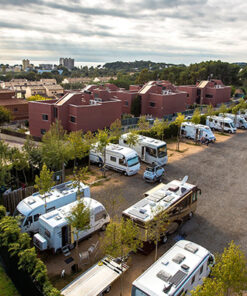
x: 170, y: 131
x: 17, y: 245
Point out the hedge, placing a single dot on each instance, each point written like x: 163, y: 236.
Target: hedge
x: 16, y: 246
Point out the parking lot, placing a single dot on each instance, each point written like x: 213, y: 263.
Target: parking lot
x: 220, y: 170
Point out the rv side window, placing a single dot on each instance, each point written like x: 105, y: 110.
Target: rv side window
x: 50, y: 209
x: 193, y: 279
x: 36, y: 217
x: 227, y: 124
x: 100, y: 215
x: 112, y: 158
x: 29, y: 220
x: 210, y: 260
x: 151, y: 151
x: 47, y: 233
x: 201, y: 269
x: 194, y: 196
x: 181, y: 205
x: 122, y: 162
x: 125, y: 142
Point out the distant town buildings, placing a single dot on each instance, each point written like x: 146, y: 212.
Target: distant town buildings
x: 46, y: 66
x: 67, y: 63
x: 18, y: 107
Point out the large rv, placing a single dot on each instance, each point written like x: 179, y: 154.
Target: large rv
x: 220, y: 123
x: 30, y: 208
x: 178, y: 199
x: 55, y: 232
x: 118, y: 158
x: 238, y: 120
x: 197, y: 132
x: 149, y: 150
x: 176, y: 273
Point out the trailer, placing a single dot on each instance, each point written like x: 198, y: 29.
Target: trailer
x: 221, y: 124
x: 118, y: 158
x: 150, y: 150
x: 56, y: 234
x: 197, y: 132
x: 178, y: 199
x: 176, y: 273
x: 97, y: 280
x: 29, y: 209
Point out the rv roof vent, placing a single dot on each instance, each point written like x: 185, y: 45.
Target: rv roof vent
x: 173, y: 188
x: 183, y: 189
x: 185, y: 267
x: 31, y: 201
x: 179, y: 258
x: 58, y: 217
x: 191, y: 248
x: 164, y: 276
x: 143, y: 211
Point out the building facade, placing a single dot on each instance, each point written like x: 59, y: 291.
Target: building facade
x: 67, y: 63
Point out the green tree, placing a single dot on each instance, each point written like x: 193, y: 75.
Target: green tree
x: 156, y: 227
x: 121, y: 237
x: 20, y: 163
x: 196, y: 117
x: 80, y: 176
x: 116, y: 129
x: 79, y: 219
x: 55, y: 150
x: 210, y: 110
x: 89, y: 140
x: 102, y: 142
x: 210, y: 287
x: 45, y: 182
x: 159, y: 128
x: 77, y: 146
x: 132, y: 138
x: 38, y: 98
x: 143, y: 124
x: 2, y: 212
x: 178, y: 121
x: 5, y: 115
x: 33, y: 153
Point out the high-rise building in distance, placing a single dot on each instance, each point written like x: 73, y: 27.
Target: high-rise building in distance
x: 67, y: 63
x: 25, y: 64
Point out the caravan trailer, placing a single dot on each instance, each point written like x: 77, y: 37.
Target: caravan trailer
x: 55, y: 232
x: 197, y: 132
x: 118, y: 158
x: 238, y: 120
x: 30, y: 208
x: 149, y: 150
x: 178, y: 199
x: 220, y: 123
x: 176, y: 273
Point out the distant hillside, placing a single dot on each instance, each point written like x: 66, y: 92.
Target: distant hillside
x: 136, y: 66
x: 241, y: 64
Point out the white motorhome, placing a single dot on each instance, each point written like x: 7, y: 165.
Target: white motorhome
x: 176, y: 273
x: 239, y: 120
x: 55, y: 232
x: 118, y: 158
x: 197, y: 132
x: 97, y: 280
x: 30, y: 208
x: 149, y: 150
x: 178, y: 199
x: 220, y: 123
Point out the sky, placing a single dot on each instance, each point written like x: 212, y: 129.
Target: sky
x: 94, y: 31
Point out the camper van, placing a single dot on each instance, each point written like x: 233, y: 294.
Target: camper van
x: 239, y: 120
x: 178, y: 199
x: 220, y: 123
x: 30, y: 208
x: 55, y: 232
x: 176, y: 273
x: 118, y: 158
x: 197, y: 132
x: 149, y: 150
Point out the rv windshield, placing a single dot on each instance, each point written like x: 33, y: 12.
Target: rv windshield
x: 136, y: 292
x: 133, y: 161
x: 162, y: 152
x: 232, y: 125
x: 19, y: 216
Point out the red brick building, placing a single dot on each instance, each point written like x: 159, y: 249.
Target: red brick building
x: 18, y: 107
x: 212, y: 92
x: 75, y: 111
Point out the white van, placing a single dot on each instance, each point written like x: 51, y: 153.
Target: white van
x: 220, y: 123
x: 176, y: 273
x: 118, y: 158
x: 197, y: 132
x: 55, y: 232
x: 239, y: 120
x: 30, y: 208
x: 149, y: 150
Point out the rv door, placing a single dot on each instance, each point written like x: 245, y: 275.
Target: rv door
x: 143, y: 153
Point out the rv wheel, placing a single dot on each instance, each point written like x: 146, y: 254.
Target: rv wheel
x: 125, y: 173
x: 173, y: 227
x: 103, y: 228
x: 164, y: 239
x: 100, y: 164
x: 191, y: 214
x: 108, y: 289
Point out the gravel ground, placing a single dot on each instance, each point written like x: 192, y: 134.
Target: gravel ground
x: 220, y: 170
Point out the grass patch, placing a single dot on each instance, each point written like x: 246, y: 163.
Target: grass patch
x: 7, y: 288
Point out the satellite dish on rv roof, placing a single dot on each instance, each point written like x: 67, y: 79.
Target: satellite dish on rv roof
x: 185, y: 179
